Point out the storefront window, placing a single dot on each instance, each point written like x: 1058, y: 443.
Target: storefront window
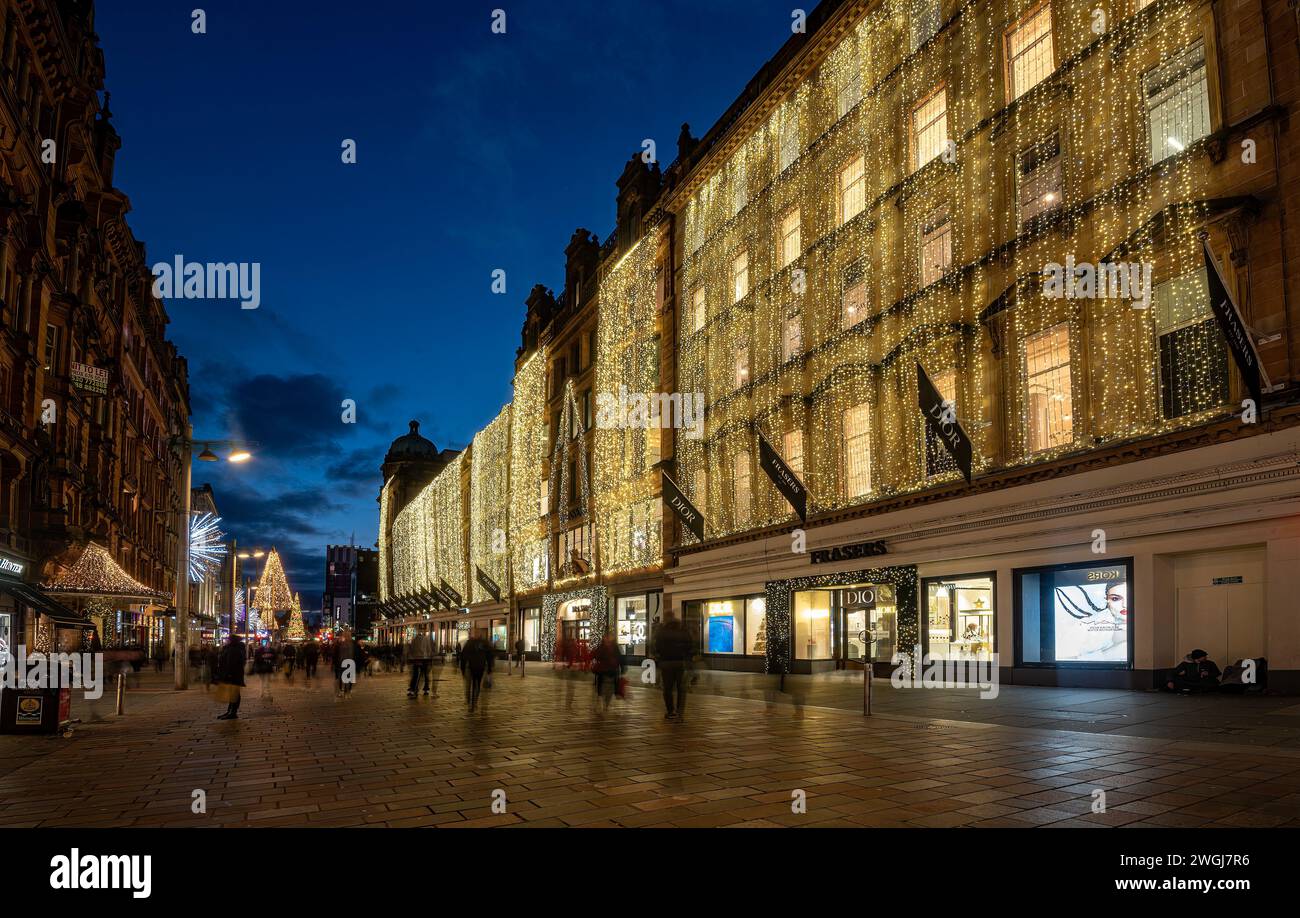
x: 532, y: 629
x: 573, y: 621
x: 724, y: 624
x: 960, y: 617
x: 1075, y: 615
x: 5, y: 625
x: 499, y: 633
x: 883, y: 623
x: 634, y: 622
x: 756, y: 626
x: 812, y: 625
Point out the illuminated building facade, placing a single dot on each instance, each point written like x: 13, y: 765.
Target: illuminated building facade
x: 1012, y: 196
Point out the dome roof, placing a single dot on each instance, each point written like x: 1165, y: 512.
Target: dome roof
x: 411, y: 446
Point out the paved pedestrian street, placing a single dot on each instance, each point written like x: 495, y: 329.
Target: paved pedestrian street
x: 305, y: 758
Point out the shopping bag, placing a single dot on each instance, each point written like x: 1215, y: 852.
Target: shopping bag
x: 226, y: 693
x: 622, y: 686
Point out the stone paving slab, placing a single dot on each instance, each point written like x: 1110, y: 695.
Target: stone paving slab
x: 303, y: 757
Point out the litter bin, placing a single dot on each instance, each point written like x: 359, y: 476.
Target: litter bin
x: 34, y: 710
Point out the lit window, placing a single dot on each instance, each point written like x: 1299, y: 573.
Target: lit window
x: 792, y: 338
x: 790, y: 237
x: 1039, y: 172
x: 849, y: 93
x: 51, y: 346
x: 1029, y: 52
x: 937, y: 457
x: 936, y: 248
x: 740, y: 482
x: 853, y: 302
x: 929, y: 128
x: 1143, y: 4
x: 740, y: 276
x: 1193, y: 355
x: 923, y: 22
x: 1049, y: 390
x: 739, y: 189
x: 853, y: 189
x: 792, y: 450
x: 857, y: 451
x: 698, y: 307
x: 1178, y: 102
x: 742, y: 365
x: 543, y: 498
x: 789, y: 143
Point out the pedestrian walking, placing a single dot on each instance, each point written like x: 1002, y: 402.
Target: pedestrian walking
x: 475, y: 661
x: 263, y: 666
x: 312, y: 655
x: 608, y: 665
x: 672, y: 652
x: 230, y: 676
x: 345, y: 664
x: 419, y: 654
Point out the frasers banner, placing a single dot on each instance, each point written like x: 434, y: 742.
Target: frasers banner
x: 786, y: 481
x: 1238, y: 336
x: 1091, y: 614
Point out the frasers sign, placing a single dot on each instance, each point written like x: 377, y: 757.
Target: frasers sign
x: 847, y: 552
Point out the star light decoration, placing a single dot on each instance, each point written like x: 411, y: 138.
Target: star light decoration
x: 769, y: 251
x: 207, y: 550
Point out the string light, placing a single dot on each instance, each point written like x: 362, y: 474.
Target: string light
x: 529, y: 554
x: 296, y: 631
x: 273, y: 593
x: 206, y: 547
x: 490, y: 505
x: 385, y: 572
x: 96, y: 573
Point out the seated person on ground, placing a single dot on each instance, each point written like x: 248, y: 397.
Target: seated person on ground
x: 1197, y: 673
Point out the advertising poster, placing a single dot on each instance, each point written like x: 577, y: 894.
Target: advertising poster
x: 1091, y: 615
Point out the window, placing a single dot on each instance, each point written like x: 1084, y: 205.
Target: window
x: 741, y: 365
x: 789, y: 143
x: 729, y: 626
x: 790, y: 247
x: 634, y: 614
x: 739, y: 189
x: 1178, y: 102
x: 1077, y: 615
x: 1049, y: 391
x: 936, y: 247
x: 1029, y: 52
x: 929, y: 128
x: 853, y: 189
x: 849, y: 93
x: 857, y: 451
x: 543, y: 497
x: 740, y: 276
x: 699, y: 310
x: 51, y: 346
x: 937, y: 458
x: 532, y: 632
x: 960, y: 622
x: 853, y: 302
x: 923, y: 22
x: 1193, y: 355
x: 792, y: 450
x: 792, y: 338
x: 1038, y: 171
x: 740, y: 488
x: 812, y: 625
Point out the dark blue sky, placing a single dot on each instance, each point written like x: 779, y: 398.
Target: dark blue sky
x: 475, y: 151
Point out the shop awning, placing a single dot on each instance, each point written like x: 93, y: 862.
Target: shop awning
x: 95, y: 573
x: 44, y: 604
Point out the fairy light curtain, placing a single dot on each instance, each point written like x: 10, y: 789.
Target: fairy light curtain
x: 529, y: 555
x: 939, y: 158
x: 490, y: 506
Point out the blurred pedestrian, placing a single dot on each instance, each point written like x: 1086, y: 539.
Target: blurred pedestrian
x: 230, y: 676
x: 290, y: 661
x: 311, y: 655
x: 672, y: 652
x: 474, y: 661
x: 519, y: 656
x: 419, y: 653
x: 608, y: 665
x: 345, y: 664
x: 263, y: 666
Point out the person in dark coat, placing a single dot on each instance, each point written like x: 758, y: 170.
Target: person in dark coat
x: 312, y: 654
x: 1197, y: 673
x: 346, y: 664
x: 475, y: 660
x: 607, y: 663
x: 230, y: 671
x: 672, y: 651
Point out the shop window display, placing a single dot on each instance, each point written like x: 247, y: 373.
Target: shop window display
x: 723, y: 626
x: 532, y: 629
x: 960, y: 617
x: 812, y: 625
x: 1075, y: 615
x: 756, y: 626
x: 499, y: 633
x: 634, y: 622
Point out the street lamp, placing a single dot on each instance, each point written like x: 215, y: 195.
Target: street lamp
x: 234, y: 580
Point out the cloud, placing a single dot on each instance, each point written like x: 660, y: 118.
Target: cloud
x: 287, y: 416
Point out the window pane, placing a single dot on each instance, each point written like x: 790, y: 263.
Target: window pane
x: 1178, y: 103
x: 724, y: 626
x: 936, y: 250
x: 853, y: 189
x: 792, y: 450
x: 857, y: 451
x: 853, y: 305
x: 812, y: 625
x: 740, y: 276
x: 741, y: 490
x: 790, y: 244
x: 756, y: 625
x: 930, y: 128
x: 1049, y: 388
x: 1029, y: 52
x: 792, y: 339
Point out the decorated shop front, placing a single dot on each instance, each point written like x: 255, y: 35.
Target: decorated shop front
x: 838, y: 620
x: 574, y: 620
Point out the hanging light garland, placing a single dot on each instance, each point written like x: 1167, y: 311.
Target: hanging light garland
x: 96, y: 573
x: 490, y: 506
x: 527, y: 543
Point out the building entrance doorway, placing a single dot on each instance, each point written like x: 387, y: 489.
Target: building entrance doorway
x: 1219, y: 606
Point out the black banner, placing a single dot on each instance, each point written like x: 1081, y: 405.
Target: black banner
x: 948, y: 429
x: 691, y: 518
x: 439, y: 597
x: 487, y: 583
x: 450, y: 591
x: 1234, y: 329
x: 786, y: 481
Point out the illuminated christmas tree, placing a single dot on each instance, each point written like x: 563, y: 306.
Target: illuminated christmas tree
x: 297, y: 631
x: 273, y: 593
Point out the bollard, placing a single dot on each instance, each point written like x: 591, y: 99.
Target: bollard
x: 121, y: 693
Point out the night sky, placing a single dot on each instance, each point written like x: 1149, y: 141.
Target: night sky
x: 475, y: 151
